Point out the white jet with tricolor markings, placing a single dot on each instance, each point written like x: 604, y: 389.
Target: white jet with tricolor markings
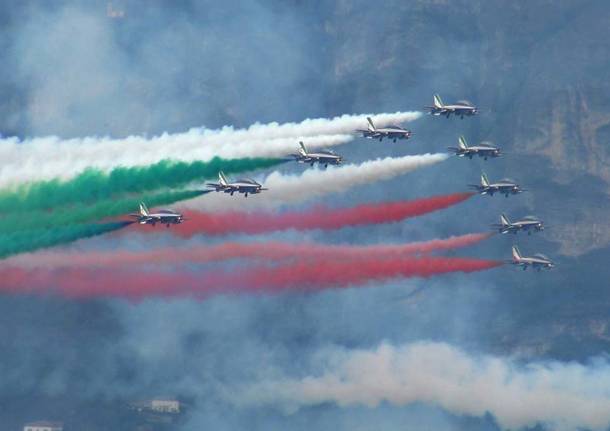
x: 246, y: 186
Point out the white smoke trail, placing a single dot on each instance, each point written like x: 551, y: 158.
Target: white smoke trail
x: 562, y: 396
x: 45, y: 163
x: 51, y: 157
x: 291, y: 189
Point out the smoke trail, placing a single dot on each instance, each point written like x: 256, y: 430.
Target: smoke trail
x: 265, y: 251
x: 309, y: 275
x: 317, y: 218
x: 93, y: 185
x: 20, y: 242
x: 80, y: 156
x: 29, y: 159
x: 559, y: 396
x: 82, y: 213
x: 286, y: 189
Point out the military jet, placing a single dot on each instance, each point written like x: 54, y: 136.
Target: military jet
x: 245, y: 186
x: 538, y: 261
x: 461, y: 108
x: 481, y: 150
x: 527, y: 224
x: 504, y: 186
x: 389, y: 132
x: 165, y: 217
x: 324, y: 157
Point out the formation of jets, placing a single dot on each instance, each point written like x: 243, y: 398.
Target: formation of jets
x: 245, y: 186
x: 390, y: 132
x: 506, y: 187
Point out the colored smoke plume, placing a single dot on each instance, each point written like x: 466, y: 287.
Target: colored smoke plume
x: 14, y: 223
x: 316, y: 218
x: 309, y: 275
x: 93, y: 185
x: 28, y: 160
x: 264, y: 251
x: 314, y: 183
x: 26, y: 241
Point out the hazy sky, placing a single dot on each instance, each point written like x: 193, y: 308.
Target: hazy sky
x: 71, y: 70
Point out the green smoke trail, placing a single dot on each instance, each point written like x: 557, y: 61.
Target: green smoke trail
x: 94, y: 185
x: 86, y: 213
x: 25, y: 241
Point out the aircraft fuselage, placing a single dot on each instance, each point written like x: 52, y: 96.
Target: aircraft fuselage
x: 485, y: 152
x: 501, y: 188
x: 525, y: 225
x: 323, y: 159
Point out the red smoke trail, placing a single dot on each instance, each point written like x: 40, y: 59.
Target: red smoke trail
x: 311, y: 275
x: 317, y: 218
x: 259, y: 251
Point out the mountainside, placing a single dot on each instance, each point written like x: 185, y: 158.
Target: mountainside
x: 537, y: 70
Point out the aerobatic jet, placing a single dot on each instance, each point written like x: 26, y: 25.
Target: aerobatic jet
x: 324, y: 157
x: 537, y: 261
x: 504, y: 186
x: 482, y: 150
x: 527, y: 224
x: 461, y: 108
x: 165, y: 217
x: 389, y: 132
x: 245, y: 186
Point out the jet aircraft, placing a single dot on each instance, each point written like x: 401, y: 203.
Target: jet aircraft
x: 481, y: 150
x: 504, y: 186
x: 389, y: 132
x: 461, y: 108
x: 527, y: 224
x: 538, y: 261
x: 165, y: 217
x: 245, y: 186
x: 324, y: 157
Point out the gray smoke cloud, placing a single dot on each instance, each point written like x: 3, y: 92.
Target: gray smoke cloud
x: 160, y: 68
x: 561, y: 396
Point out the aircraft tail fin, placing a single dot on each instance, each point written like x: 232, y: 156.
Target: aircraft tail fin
x: 462, y: 143
x: 371, y: 125
x: 438, y: 103
x: 504, y: 220
x: 143, y: 209
x: 516, y: 254
x: 484, y: 180
x: 302, y: 149
x: 222, y: 179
